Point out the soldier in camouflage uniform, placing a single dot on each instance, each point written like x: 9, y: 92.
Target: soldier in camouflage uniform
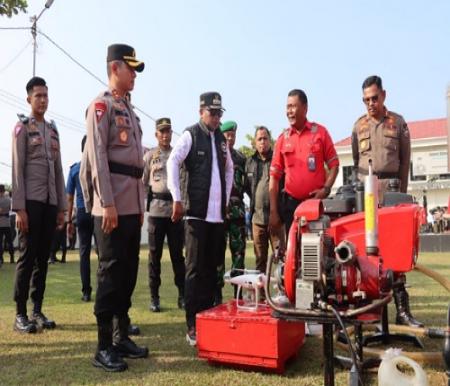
x: 235, y: 221
x: 383, y: 137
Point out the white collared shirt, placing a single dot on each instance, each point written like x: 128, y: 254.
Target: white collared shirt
x: 177, y: 157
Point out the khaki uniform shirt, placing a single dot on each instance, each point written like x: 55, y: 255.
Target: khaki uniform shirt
x: 37, y: 172
x: 387, y: 143
x: 113, y: 135
x: 5, y: 207
x: 155, y: 181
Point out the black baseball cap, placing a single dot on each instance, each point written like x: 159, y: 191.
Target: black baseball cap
x: 163, y: 123
x: 211, y: 100
x: 125, y: 53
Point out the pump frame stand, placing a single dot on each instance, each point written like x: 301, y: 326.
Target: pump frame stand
x: 385, y: 337
x: 330, y: 359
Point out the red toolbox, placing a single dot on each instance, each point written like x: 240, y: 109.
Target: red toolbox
x: 247, y: 338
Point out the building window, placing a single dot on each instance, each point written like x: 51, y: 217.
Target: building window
x: 412, y: 177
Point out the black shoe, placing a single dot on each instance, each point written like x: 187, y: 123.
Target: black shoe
x: 42, y: 321
x: 52, y: 260
x: 128, y: 349
x: 191, y: 337
x: 11, y: 260
x: 181, y: 303
x: 86, y: 298
x: 109, y: 360
x: 23, y: 325
x: 154, y: 305
x: 133, y: 330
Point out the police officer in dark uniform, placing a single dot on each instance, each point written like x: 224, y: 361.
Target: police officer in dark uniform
x: 110, y: 176
x: 160, y: 210
x: 382, y: 136
x: 39, y: 201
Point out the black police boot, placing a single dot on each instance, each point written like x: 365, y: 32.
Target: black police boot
x: 63, y: 257
x: 155, y: 305
x: 404, y: 316
x: 218, y: 297
x: 106, y: 356
x: 11, y: 259
x: 23, y: 325
x: 123, y: 345
x: 42, y: 321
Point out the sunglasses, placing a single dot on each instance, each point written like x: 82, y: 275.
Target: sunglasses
x: 215, y: 112
x: 371, y: 99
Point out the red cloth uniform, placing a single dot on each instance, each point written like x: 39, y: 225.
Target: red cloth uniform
x: 294, y: 149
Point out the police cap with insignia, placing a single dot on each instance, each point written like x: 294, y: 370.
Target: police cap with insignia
x: 211, y: 100
x: 163, y: 123
x: 125, y: 53
x: 228, y: 126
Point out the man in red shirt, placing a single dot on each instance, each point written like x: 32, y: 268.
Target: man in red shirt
x: 301, y: 153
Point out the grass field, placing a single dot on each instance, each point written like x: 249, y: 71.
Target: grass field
x: 62, y: 356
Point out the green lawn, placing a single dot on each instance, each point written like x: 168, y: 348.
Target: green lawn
x: 63, y: 356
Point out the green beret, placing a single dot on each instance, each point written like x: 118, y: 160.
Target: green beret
x: 228, y: 126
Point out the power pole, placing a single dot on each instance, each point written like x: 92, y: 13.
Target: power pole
x: 34, y: 20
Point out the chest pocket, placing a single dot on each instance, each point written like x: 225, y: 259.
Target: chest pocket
x: 54, y: 145
x: 390, y: 138
x: 123, y: 130
x: 364, y: 143
x: 288, y: 154
x: 35, y: 144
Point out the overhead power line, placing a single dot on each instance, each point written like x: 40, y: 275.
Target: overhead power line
x: 16, y: 57
x: 14, y: 28
x: 87, y: 70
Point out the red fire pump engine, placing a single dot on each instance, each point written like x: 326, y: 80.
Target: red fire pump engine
x: 343, y: 255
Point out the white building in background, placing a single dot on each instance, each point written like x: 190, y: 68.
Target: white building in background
x: 429, y: 151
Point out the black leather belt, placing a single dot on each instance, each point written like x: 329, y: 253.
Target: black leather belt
x: 127, y: 170
x: 4, y: 215
x: 162, y: 196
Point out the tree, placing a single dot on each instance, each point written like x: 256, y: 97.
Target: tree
x: 12, y: 7
x: 248, y: 151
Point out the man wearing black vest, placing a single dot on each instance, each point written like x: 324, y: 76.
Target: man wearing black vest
x: 205, y: 194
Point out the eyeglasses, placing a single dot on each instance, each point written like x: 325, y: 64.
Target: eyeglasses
x: 371, y: 99
x: 215, y: 112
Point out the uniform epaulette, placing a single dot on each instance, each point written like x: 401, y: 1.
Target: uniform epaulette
x: 53, y: 126
x: 285, y: 133
x: 23, y: 118
x: 361, y: 118
x: 314, y: 127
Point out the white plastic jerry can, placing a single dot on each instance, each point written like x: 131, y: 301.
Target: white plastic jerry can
x: 390, y: 375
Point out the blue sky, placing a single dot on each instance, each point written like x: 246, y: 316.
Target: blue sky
x: 252, y: 52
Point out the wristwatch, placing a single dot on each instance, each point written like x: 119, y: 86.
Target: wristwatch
x: 327, y: 190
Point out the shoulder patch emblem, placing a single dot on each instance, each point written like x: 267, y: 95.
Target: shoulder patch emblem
x: 17, y: 129
x: 100, y: 110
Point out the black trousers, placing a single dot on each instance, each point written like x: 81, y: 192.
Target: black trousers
x: 205, y: 252
x: 85, y: 228
x: 34, y: 247
x: 288, y: 209
x: 5, y: 234
x: 158, y: 228
x: 117, y: 267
